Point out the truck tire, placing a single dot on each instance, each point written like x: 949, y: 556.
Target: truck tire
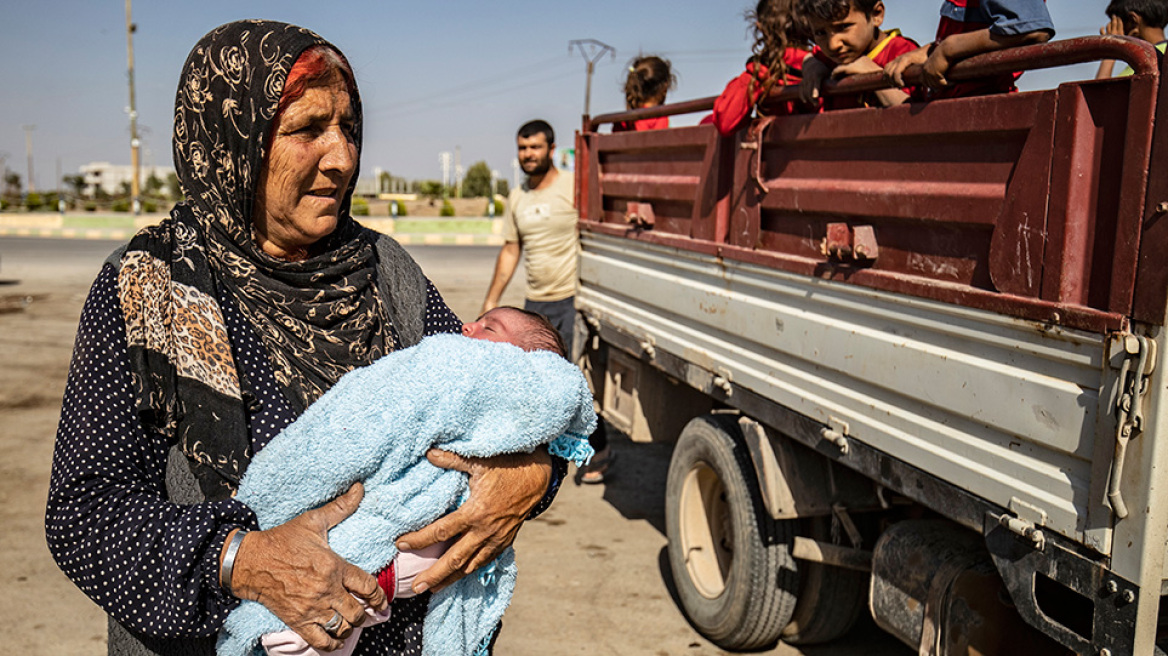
x: 830, y: 598
x: 731, y: 562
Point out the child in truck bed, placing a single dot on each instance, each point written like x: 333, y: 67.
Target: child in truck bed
x: 1142, y: 19
x: 849, y: 41
x: 650, y: 80
x: 780, y: 38
x: 970, y: 28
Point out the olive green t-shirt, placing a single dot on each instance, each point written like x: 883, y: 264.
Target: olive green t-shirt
x: 543, y: 221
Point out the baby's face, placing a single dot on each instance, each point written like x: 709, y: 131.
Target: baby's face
x: 498, y: 325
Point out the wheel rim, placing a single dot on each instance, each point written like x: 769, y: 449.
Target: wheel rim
x: 706, y: 538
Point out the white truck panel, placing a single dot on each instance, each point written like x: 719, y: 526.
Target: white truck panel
x: 1002, y: 407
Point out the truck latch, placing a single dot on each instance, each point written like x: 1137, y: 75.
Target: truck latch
x: 844, y: 242
x: 1138, y: 362
x: 641, y: 215
x: 1027, y: 522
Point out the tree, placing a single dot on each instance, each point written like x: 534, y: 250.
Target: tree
x: 76, y: 183
x: 153, y: 185
x: 12, y: 186
x: 477, y: 182
x: 502, y: 187
x: 431, y: 189
x: 172, y: 186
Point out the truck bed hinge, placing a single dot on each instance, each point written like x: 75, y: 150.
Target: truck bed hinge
x: 1139, y: 359
x: 1027, y: 522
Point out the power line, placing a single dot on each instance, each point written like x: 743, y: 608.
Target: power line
x: 451, y: 101
x: 451, y: 94
x: 593, y: 51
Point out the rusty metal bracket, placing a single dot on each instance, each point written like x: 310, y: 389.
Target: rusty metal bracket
x: 757, y: 132
x: 844, y: 242
x: 641, y: 215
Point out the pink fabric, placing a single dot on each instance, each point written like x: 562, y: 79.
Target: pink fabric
x: 409, y: 564
x: 289, y: 642
x: 406, y: 565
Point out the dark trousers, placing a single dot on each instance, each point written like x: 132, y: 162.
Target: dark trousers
x: 562, y: 315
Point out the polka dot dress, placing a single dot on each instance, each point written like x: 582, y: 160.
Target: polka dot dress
x: 150, y: 563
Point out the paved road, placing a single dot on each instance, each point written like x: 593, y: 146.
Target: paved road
x: 594, y: 575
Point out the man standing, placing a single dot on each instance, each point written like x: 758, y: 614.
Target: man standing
x: 540, y: 224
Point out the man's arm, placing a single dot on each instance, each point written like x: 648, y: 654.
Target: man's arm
x: 505, y: 266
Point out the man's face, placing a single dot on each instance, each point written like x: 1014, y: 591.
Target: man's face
x: 849, y: 38
x: 535, y: 154
x: 498, y: 325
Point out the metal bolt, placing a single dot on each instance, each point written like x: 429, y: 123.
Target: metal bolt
x: 1128, y: 596
x: 1112, y: 587
x: 1105, y: 652
x: 1162, y: 207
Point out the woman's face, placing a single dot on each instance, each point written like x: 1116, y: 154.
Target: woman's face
x: 310, y: 161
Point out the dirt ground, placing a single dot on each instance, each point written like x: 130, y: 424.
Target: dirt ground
x: 594, y: 576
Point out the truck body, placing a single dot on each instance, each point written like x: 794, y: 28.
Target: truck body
x: 911, y: 357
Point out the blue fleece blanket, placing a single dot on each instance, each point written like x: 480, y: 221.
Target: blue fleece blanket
x: 471, y: 397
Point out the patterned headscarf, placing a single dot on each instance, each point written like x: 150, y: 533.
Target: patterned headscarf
x: 318, y: 318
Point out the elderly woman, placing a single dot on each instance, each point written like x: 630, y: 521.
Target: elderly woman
x: 211, y: 332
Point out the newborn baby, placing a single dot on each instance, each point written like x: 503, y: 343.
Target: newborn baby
x: 376, y: 424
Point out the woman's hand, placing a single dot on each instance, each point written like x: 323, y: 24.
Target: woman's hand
x: 291, y: 570
x: 503, y: 490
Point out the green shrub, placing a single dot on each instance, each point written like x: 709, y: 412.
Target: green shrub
x: 149, y: 206
x: 498, y: 208
x: 401, y: 209
x: 360, y: 207
x: 33, y: 201
x: 90, y: 206
x: 121, y: 205
x: 447, y: 209
x: 3, y: 204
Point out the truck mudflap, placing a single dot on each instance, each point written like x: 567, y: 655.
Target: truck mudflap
x: 1072, y: 598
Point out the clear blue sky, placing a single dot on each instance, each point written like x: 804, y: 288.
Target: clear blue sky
x: 433, y: 75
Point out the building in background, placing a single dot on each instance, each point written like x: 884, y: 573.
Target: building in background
x: 110, y: 178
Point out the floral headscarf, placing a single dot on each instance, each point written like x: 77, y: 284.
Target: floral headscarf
x: 318, y: 318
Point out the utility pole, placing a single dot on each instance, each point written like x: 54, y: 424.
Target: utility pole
x: 444, y: 158
x: 458, y: 171
x: 134, y: 143
x: 491, y: 196
x: 593, y: 51
x: 28, y: 149
x: 514, y: 173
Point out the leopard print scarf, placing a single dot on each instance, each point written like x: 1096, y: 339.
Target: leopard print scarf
x: 318, y: 318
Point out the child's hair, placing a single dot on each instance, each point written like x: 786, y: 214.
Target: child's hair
x: 776, y: 26
x: 538, y: 333
x: 1154, y: 12
x: 833, y: 10
x: 650, y: 79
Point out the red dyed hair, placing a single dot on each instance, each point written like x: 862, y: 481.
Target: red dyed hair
x: 314, y: 65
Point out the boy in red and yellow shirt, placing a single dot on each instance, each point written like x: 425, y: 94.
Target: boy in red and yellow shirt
x: 849, y: 41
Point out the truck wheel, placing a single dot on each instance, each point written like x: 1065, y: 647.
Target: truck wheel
x: 830, y: 598
x: 731, y: 562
